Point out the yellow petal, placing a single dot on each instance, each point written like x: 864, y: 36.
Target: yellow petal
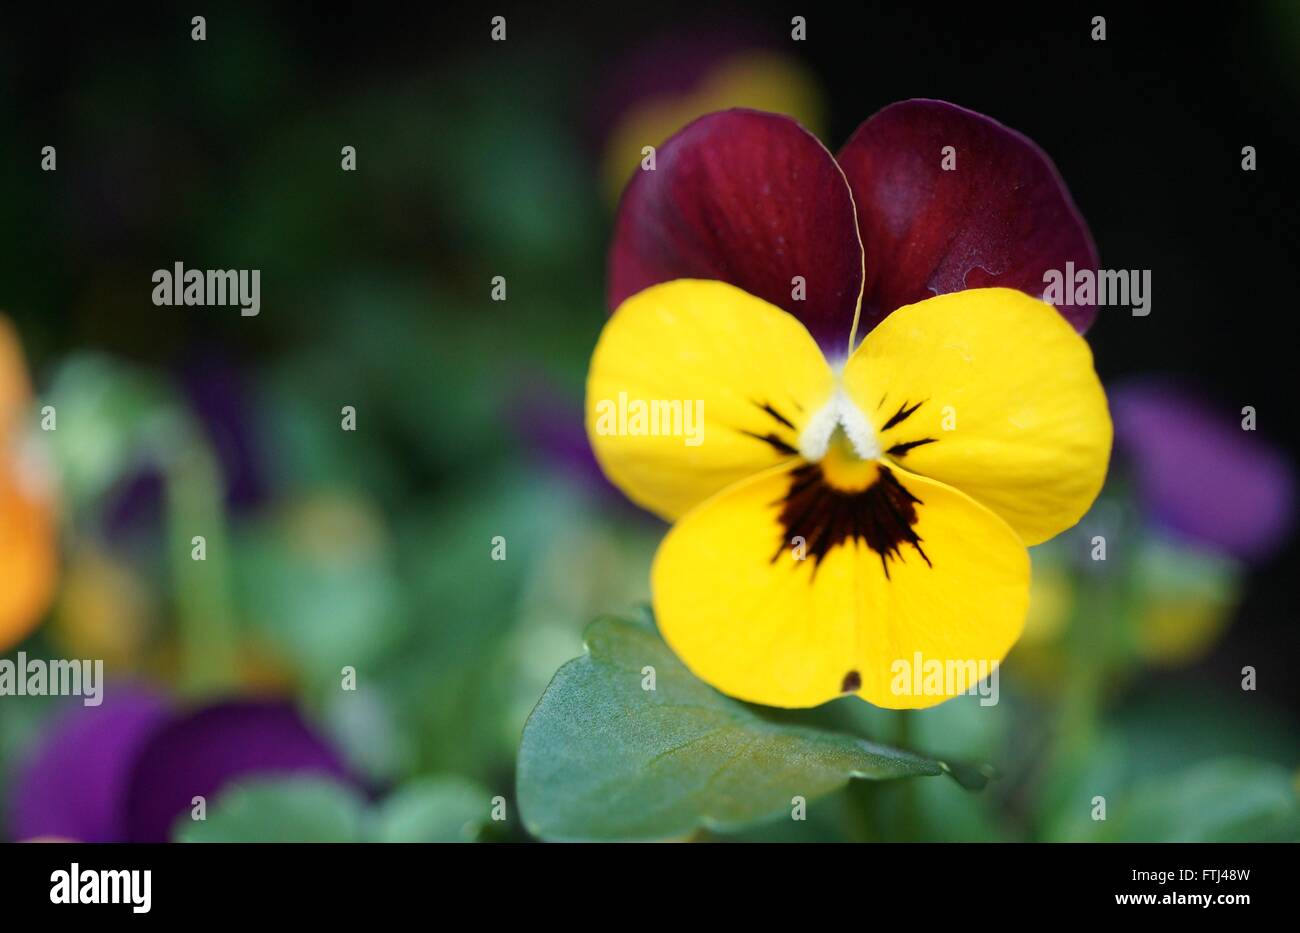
x: 724, y: 380
x: 992, y: 392
x: 747, y: 617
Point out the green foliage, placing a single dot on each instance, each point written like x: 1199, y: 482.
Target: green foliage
x: 605, y: 757
x: 313, y: 809
x: 433, y: 810
x: 279, y: 810
x: 1226, y: 800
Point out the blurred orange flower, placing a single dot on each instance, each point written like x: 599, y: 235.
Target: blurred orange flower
x: 28, y: 555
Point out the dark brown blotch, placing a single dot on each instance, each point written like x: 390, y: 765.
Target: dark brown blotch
x: 882, y: 516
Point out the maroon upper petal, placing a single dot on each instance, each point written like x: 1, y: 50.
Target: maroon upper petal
x: 1002, y: 217
x: 752, y: 199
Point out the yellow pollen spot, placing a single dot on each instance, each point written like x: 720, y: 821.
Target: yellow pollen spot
x: 844, y: 469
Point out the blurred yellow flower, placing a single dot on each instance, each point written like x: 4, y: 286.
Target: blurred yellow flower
x: 754, y: 79
x: 1185, y: 600
x: 104, y: 610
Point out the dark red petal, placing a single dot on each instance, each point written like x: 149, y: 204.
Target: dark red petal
x: 1003, y: 217
x: 752, y: 199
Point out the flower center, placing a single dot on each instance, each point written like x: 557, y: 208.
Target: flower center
x: 844, y: 493
x: 842, y: 436
x: 842, y: 468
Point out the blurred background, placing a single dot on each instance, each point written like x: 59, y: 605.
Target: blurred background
x: 331, y: 549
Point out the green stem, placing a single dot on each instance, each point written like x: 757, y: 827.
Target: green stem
x: 208, y: 637
x: 909, y: 811
x: 862, y: 809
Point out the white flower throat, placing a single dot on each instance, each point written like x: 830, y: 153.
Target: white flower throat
x: 839, y: 412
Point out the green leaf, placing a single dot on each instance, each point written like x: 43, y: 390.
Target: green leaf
x: 124, y: 415
x: 316, y: 809
x: 604, y: 758
x: 433, y: 810
x: 279, y: 810
x: 1226, y: 800
x: 457, y: 678
x: 317, y: 580
x: 1155, y: 747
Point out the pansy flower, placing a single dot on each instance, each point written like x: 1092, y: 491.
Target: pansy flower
x: 887, y: 414
x: 28, y: 548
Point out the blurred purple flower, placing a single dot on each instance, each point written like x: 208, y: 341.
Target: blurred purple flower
x: 74, y: 784
x: 217, y: 388
x: 1200, y: 475
x: 126, y: 770
x: 134, y: 504
x: 200, y: 753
